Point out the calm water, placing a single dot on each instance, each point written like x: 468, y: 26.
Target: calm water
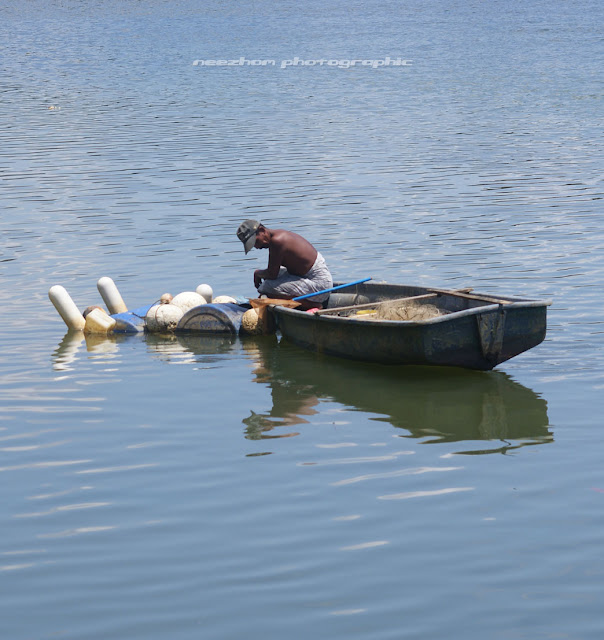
x: 216, y: 488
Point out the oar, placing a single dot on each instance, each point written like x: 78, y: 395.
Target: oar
x: 340, y: 286
x: 470, y: 296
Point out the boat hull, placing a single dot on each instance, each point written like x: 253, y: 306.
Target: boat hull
x: 472, y: 334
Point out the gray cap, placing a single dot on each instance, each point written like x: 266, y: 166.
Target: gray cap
x: 247, y: 233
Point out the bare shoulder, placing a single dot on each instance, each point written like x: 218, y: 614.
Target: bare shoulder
x: 287, y: 239
x: 282, y: 237
x: 292, y: 251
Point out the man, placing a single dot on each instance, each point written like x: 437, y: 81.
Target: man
x: 295, y: 267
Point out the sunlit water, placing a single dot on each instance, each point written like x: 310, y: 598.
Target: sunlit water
x: 216, y: 488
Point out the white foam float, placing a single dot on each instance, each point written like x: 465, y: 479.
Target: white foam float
x: 250, y: 322
x: 205, y: 290
x: 187, y: 300
x: 163, y: 317
x: 66, y: 307
x: 111, y: 296
x: 224, y: 300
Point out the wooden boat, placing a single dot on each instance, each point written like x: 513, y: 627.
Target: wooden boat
x: 472, y: 330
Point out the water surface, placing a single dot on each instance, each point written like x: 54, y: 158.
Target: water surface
x: 225, y: 488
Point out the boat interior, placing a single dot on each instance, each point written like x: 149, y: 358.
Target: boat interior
x: 399, y: 302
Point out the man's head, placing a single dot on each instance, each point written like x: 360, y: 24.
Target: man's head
x: 247, y: 233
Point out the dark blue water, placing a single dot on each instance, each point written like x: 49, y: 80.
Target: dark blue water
x: 217, y: 488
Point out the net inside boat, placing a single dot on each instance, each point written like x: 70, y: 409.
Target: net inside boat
x: 402, y: 311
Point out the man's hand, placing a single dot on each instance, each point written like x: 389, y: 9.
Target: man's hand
x: 257, y: 278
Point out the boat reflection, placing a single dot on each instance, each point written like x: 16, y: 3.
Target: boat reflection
x: 436, y: 404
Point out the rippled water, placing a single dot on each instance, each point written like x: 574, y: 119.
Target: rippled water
x: 218, y: 488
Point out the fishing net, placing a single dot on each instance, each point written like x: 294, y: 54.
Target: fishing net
x: 403, y: 311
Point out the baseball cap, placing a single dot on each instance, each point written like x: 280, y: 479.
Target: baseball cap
x: 247, y: 233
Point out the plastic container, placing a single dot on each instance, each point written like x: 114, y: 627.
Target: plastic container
x: 97, y: 321
x: 213, y: 318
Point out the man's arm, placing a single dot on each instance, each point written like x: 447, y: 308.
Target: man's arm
x: 275, y: 257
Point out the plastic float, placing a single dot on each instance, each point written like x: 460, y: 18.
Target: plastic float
x: 111, y: 296
x: 221, y: 317
x: 66, y: 307
x: 188, y: 312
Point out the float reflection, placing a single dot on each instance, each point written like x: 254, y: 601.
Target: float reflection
x: 185, y: 348
x: 70, y: 348
x: 167, y: 347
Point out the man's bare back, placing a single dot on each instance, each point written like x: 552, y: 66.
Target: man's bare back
x: 285, y: 249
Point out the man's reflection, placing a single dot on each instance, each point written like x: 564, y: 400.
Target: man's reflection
x: 291, y: 402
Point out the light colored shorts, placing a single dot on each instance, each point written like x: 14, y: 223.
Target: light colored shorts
x: 287, y: 284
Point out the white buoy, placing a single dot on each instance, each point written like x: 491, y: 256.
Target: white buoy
x: 250, y: 322
x: 187, y: 300
x: 97, y: 321
x: 66, y: 307
x: 163, y: 317
x: 205, y: 291
x: 224, y: 300
x: 111, y: 296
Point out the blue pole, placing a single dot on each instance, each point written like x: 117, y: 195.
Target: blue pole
x: 340, y: 286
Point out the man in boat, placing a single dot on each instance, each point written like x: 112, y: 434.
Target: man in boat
x: 295, y: 268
